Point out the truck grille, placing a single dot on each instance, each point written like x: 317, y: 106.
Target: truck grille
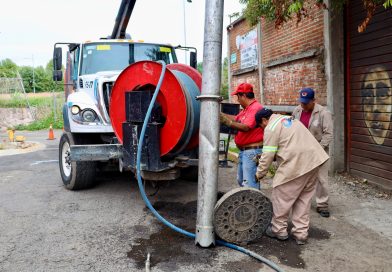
x: 107, y: 91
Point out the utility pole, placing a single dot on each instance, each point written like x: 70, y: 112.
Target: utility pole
x: 32, y: 57
x: 184, y: 17
x: 209, y: 123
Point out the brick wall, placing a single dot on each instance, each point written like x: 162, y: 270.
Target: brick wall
x: 241, y: 27
x: 283, y: 81
x: 292, y: 38
x: 252, y: 78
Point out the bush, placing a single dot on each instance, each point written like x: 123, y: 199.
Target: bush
x: 43, y: 123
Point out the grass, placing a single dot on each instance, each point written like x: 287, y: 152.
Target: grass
x: 43, y: 123
x: 43, y: 107
x: 234, y: 149
x: 18, y: 100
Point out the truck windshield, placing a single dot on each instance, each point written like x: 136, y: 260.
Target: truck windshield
x: 98, y: 57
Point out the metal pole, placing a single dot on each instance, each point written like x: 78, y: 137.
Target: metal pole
x: 183, y: 6
x: 33, y: 75
x: 209, y: 123
x: 25, y: 95
x: 228, y: 64
x: 54, y: 106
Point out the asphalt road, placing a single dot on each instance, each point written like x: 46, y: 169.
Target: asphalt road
x: 44, y: 227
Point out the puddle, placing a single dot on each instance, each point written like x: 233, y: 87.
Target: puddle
x: 178, y: 213
x: 170, y: 248
x: 183, y: 214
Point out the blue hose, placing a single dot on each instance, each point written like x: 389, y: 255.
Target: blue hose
x: 148, y: 203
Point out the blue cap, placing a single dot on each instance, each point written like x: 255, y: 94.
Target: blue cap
x: 306, y: 95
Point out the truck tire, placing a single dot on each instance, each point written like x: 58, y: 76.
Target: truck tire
x: 75, y: 175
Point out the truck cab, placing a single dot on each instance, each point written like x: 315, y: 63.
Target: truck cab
x: 92, y: 68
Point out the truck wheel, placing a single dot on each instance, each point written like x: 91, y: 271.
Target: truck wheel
x: 75, y: 175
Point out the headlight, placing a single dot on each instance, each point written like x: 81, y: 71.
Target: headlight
x: 75, y: 110
x: 88, y: 116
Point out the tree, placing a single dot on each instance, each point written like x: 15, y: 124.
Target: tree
x: 225, y: 79
x: 43, y: 80
x: 200, y: 67
x: 40, y: 81
x: 26, y: 72
x: 281, y: 11
x: 8, y: 68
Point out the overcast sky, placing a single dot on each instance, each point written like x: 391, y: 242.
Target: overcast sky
x: 29, y: 28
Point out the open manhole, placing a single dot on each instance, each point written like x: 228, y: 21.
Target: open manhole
x: 242, y: 215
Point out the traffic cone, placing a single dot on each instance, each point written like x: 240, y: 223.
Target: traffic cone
x: 51, y: 134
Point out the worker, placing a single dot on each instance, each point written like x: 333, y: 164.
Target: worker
x: 299, y: 157
x: 249, y: 137
x: 319, y: 122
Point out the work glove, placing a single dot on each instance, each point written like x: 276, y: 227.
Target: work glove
x: 225, y: 120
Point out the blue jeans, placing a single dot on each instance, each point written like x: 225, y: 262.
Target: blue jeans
x: 247, y: 167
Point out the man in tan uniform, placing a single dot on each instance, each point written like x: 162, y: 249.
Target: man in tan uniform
x: 319, y: 122
x: 299, y: 156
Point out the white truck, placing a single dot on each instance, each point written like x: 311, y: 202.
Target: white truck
x: 91, y: 70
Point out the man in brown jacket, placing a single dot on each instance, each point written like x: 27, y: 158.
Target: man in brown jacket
x: 319, y: 122
x: 299, y: 156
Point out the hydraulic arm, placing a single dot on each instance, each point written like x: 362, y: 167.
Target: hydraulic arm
x: 122, y: 19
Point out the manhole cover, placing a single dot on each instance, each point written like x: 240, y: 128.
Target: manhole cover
x: 242, y: 215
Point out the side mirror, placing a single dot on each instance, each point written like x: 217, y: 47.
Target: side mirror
x: 57, y: 58
x: 193, y: 60
x: 57, y: 75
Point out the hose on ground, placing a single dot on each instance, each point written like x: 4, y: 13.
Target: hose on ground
x: 148, y: 203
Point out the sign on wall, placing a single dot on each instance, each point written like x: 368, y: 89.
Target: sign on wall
x: 233, y: 58
x: 247, y: 44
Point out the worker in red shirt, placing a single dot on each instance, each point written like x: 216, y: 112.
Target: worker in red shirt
x: 249, y: 137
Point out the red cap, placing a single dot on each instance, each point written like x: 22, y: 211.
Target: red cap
x: 243, y: 88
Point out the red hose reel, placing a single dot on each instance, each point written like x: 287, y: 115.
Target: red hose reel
x: 177, y: 97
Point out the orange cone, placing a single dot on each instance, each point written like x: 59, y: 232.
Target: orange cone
x: 51, y: 134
